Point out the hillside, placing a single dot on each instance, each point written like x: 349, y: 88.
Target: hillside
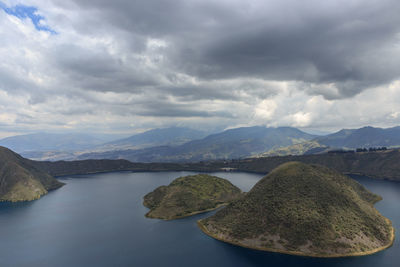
x: 51, y: 142
x: 380, y: 164
x: 189, y: 195
x: 230, y: 144
x: 20, y: 181
x: 377, y: 164
x: 296, y: 149
x: 156, y: 137
x: 53, y: 147
x: 306, y: 210
x: 183, y: 145
x: 363, y: 137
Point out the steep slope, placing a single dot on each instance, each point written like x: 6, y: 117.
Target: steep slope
x: 20, y: 181
x: 189, y: 195
x: 304, y: 210
x: 234, y: 143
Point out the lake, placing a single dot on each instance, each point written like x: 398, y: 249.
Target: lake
x: 98, y: 220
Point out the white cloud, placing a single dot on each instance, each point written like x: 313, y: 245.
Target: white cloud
x: 265, y: 109
x: 100, y: 73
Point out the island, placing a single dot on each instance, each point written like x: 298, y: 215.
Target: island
x: 307, y: 210
x: 21, y: 181
x: 189, y: 195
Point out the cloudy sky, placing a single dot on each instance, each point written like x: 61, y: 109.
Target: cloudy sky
x: 125, y: 66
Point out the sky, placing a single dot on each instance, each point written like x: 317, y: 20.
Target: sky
x: 100, y: 66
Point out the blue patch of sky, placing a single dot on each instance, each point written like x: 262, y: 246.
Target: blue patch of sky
x: 23, y: 12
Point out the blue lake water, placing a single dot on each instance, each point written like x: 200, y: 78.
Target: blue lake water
x: 98, y: 220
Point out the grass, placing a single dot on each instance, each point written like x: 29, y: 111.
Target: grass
x: 190, y: 195
x: 20, y: 181
x: 306, y: 203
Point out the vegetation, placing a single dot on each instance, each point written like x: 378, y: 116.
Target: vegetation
x: 185, y: 145
x: 232, y: 143
x: 379, y: 164
x: 296, y: 149
x: 307, y: 210
x: 363, y: 137
x: 20, y: 181
x: 189, y: 195
x: 360, y: 149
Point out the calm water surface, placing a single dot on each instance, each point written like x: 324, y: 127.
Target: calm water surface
x: 98, y: 220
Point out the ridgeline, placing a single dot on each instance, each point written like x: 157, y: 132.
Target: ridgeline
x: 376, y: 164
x: 21, y: 181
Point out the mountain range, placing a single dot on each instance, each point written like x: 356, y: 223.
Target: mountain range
x: 366, y: 137
x: 233, y: 143
x: 157, y: 137
x: 178, y: 144
x: 363, y: 137
x: 49, y: 146
x: 53, y: 142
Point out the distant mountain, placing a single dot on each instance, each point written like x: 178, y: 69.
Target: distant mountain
x: 20, y: 180
x: 51, y: 142
x: 44, y: 146
x: 157, y: 137
x: 230, y: 144
x: 363, y: 137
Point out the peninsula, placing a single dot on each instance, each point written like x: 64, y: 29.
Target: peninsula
x: 21, y: 181
x: 190, y: 195
x: 306, y: 210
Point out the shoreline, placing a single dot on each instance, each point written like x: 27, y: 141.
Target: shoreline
x: 297, y: 253
x: 187, y: 214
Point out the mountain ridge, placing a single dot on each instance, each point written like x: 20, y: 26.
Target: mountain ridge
x: 20, y: 180
x: 233, y: 143
x: 50, y: 142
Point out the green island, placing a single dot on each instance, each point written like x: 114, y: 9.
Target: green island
x: 20, y: 181
x: 189, y: 195
x: 306, y: 210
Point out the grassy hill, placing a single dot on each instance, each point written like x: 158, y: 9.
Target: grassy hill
x: 189, y: 195
x: 21, y: 181
x: 304, y: 210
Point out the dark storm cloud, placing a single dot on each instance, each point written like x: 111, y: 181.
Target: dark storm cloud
x: 352, y: 44
x: 353, y: 48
